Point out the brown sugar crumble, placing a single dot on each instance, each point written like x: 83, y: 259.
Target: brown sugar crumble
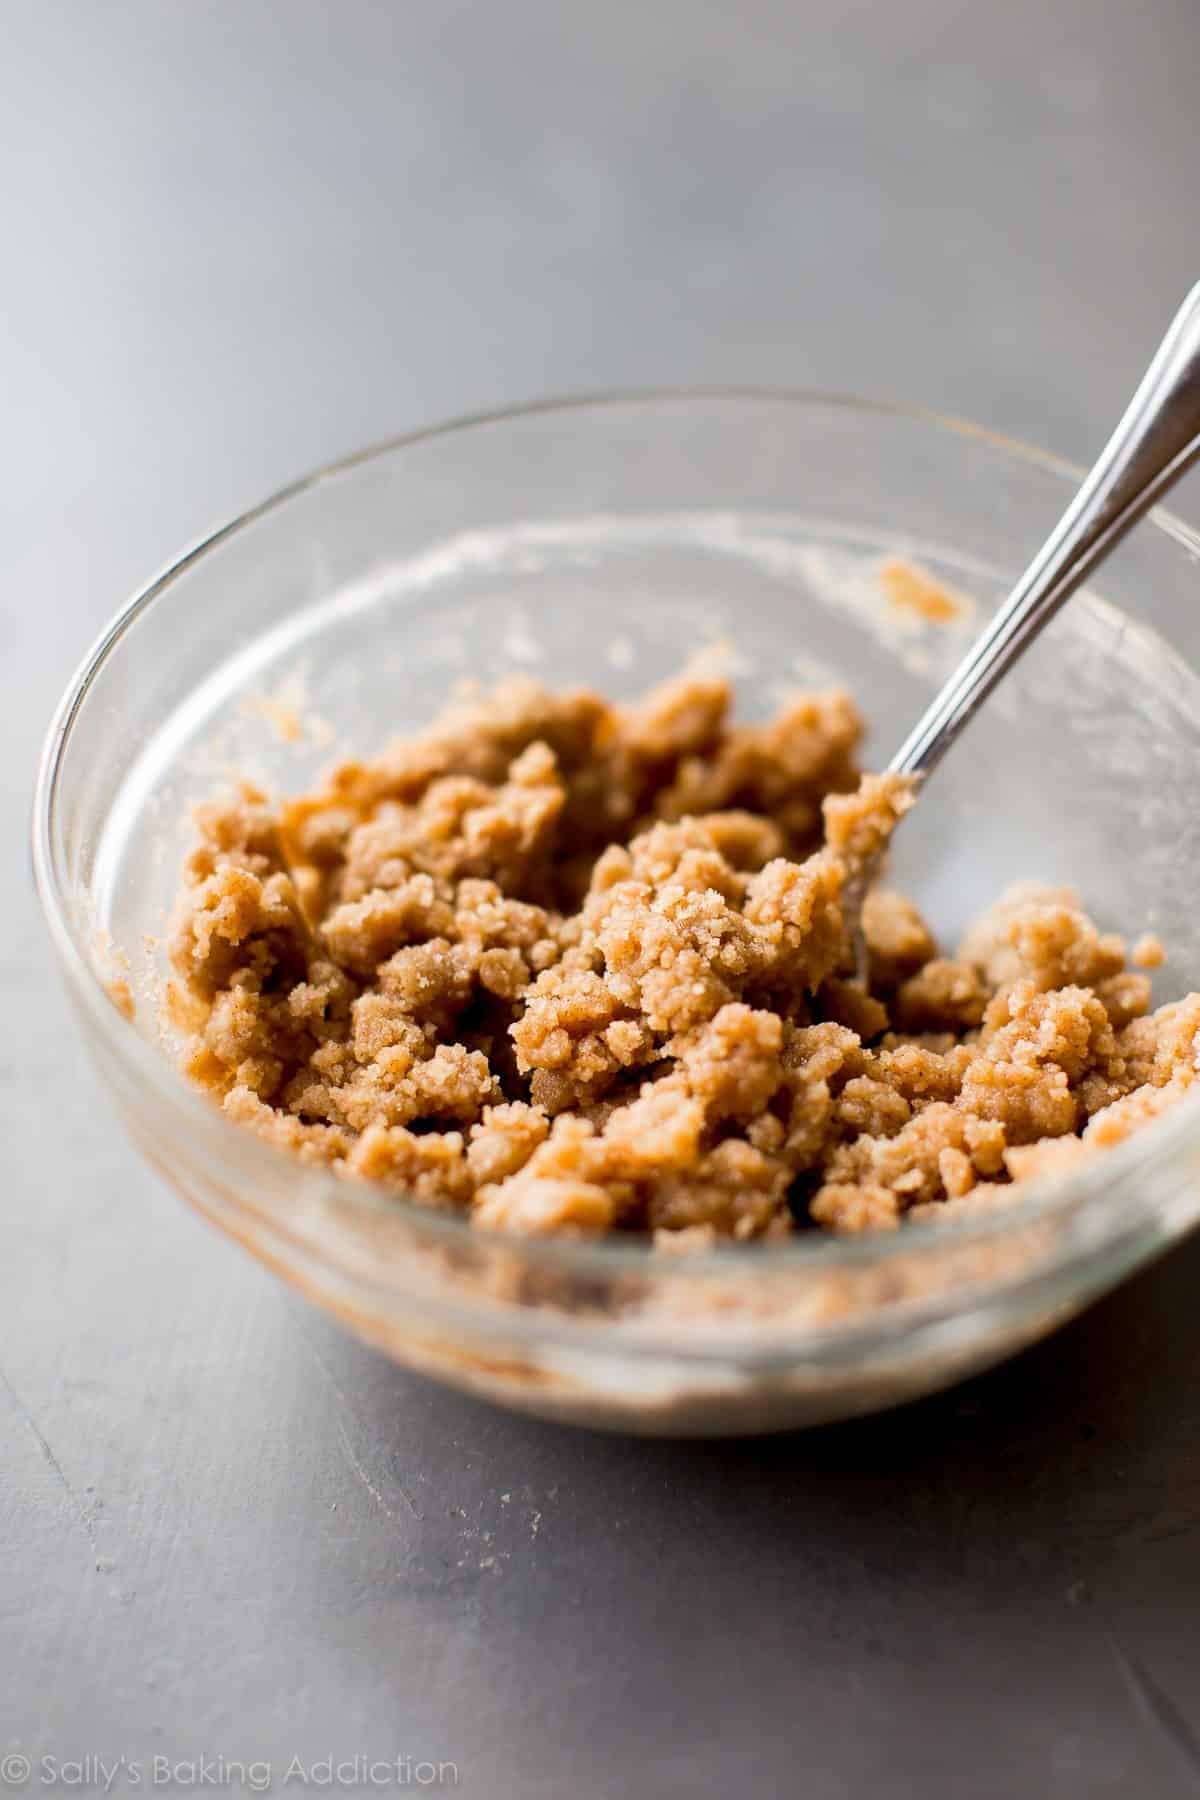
x: 560, y: 964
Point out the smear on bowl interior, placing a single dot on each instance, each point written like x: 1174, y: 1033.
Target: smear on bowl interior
x: 912, y: 591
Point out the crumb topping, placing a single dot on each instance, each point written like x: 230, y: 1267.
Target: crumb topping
x: 564, y: 965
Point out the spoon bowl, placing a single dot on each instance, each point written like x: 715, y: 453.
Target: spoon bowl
x: 596, y: 543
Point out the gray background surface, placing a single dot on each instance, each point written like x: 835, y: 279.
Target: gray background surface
x: 238, y: 239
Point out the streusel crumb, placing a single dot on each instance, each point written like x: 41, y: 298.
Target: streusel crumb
x: 564, y: 965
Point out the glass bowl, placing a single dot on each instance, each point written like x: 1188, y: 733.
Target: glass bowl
x: 597, y: 542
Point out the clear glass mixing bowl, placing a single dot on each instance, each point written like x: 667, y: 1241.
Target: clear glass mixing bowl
x: 597, y: 542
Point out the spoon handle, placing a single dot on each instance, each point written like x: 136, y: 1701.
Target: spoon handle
x: 1156, y: 441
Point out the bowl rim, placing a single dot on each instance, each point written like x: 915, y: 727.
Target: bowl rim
x: 1099, y: 1184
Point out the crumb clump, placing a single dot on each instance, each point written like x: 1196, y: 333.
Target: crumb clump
x: 563, y: 965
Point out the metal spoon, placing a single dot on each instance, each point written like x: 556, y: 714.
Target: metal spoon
x: 1157, y: 440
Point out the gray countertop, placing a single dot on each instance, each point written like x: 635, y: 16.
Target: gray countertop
x: 240, y: 239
